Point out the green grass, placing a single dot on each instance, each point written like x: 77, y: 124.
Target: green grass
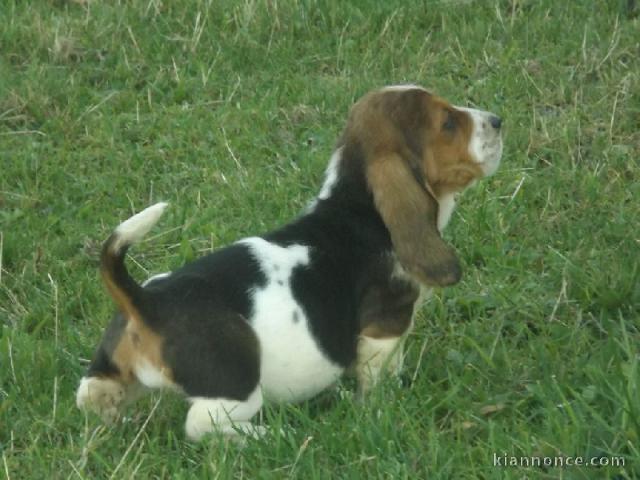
x: 229, y: 111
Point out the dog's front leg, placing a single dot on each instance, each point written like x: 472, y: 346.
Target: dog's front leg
x: 377, y: 356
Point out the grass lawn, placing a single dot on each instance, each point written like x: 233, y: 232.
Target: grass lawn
x: 229, y: 110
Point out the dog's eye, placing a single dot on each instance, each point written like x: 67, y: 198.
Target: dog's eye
x: 450, y: 123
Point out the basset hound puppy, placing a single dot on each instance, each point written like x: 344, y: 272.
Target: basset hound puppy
x: 283, y: 315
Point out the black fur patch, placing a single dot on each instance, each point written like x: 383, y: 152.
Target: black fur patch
x: 101, y: 365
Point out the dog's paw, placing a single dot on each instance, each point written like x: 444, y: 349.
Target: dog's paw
x: 102, y: 396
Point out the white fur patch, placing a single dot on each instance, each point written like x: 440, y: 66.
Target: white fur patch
x: 153, y: 278
x: 402, y: 88
x: 102, y: 396
x: 485, y: 146
x: 135, y: 228
x: 150, y: 376
x: 222, y: 415
x: 446, y: 204
x: 292, y: 366
x: 375, y: 356
x: 330, y: 179
x: 331, y: 175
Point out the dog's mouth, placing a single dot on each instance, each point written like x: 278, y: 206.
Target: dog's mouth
x: 492, y: 156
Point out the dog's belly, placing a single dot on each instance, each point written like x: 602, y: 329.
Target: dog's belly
x: 292, y: 366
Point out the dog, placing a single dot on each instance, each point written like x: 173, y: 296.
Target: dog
x: 283, y: 315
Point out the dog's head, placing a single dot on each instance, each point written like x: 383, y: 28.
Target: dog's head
x: 418, y: 149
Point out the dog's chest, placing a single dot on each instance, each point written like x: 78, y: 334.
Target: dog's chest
x: 292, y: 366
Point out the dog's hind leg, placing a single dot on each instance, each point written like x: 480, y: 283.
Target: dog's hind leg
x: 110, y: 384
x: 215, y: 359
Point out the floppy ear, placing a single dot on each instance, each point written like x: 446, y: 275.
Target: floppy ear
x: 411, y: 216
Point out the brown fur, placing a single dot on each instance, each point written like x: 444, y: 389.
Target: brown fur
x: 138, y: 344
x: 402, y: 136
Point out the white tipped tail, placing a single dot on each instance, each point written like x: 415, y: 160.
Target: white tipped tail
x: 128, y: 295
x: 135, y: 228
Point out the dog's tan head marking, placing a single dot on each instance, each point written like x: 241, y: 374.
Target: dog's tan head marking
x: 417, y: 149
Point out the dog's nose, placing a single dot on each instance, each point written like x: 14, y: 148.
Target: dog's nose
x: 496, y: 122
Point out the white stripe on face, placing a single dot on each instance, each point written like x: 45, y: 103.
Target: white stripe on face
x: 485, y: 146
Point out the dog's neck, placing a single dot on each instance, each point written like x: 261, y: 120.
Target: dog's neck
x: 345, y: 185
